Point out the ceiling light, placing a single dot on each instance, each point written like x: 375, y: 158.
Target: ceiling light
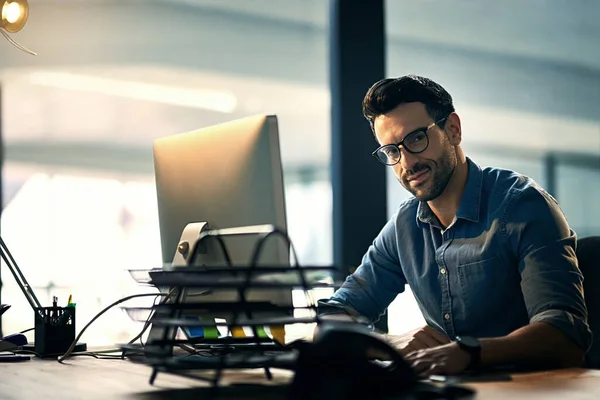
x: 13, y: 16
x: 207, y: 99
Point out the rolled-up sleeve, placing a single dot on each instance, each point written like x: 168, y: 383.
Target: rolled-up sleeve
x: 551, y: 281
x: 376, y: 282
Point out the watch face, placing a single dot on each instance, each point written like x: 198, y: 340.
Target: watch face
x: 468, y: 341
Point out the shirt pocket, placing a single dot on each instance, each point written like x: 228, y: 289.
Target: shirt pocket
x: 482, y: 289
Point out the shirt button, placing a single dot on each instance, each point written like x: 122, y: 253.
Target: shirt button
x: 443, y: 271
x: 447, y: 316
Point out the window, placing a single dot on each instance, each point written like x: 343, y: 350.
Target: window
x: 80, y: 204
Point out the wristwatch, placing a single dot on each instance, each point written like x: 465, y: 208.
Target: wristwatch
x: 471, y: 346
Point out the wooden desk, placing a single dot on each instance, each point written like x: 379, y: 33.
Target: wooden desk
x: 566, y: 384
x: 82, y: 378
x: 88, y: 378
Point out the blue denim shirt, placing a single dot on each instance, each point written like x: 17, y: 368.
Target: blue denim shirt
x: 507, y: 260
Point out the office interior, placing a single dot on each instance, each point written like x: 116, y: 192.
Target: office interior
x: 78, y: 120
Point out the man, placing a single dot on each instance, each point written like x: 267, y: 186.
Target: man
x: 487, y: 252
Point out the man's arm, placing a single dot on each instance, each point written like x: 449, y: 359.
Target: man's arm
x: 368, y: 292
x: 538, y: 345
x: 376, y: 282
x: 558, y: 334
x: 552, y: 284
x: 535, y: 345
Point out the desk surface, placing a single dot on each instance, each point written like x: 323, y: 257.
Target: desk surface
x: 88, y: 378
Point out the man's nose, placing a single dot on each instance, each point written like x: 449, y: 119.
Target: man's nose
x: 407, y: 159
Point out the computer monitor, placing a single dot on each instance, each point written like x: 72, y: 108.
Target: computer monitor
x: 229, y: 175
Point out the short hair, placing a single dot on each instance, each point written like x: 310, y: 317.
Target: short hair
x: 387, y: 94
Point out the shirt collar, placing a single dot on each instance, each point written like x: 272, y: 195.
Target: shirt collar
x: 470, y: 202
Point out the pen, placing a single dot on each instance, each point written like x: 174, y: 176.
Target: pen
x: 72, y: 305
x: 54, y: 314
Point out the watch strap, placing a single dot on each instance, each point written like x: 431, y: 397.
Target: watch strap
x: 471, y: 346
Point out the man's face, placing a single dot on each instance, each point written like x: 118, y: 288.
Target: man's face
x: 426, y: 174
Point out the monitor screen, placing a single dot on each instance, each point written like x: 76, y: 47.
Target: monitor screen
x: 228, y: 175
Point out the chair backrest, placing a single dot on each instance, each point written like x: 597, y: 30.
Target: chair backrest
x: 588, y: 256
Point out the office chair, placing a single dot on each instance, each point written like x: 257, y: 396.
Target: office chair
x: 588, y: 256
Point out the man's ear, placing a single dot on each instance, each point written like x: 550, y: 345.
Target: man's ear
x: 453, y: 129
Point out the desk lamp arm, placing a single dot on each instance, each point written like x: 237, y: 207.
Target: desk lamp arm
x: 19, y: 277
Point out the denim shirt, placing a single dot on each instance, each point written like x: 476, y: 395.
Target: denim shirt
x: 507, y: 260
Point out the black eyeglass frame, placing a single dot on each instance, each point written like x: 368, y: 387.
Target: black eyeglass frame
x: 400, y: 145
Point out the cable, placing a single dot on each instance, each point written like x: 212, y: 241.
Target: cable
x: 95, y: 354
x: 147, y: 323
x: 27, y: 330
x: 60, y: 359
x: 163, y: 301
x: 16, y: 44
x: 69, y: 352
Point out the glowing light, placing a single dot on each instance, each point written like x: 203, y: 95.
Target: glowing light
x: 12, y: 12
x: 213, y: 100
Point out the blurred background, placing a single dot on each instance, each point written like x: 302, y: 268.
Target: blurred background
x: 79, y: 119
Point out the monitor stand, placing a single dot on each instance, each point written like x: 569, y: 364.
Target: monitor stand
x: 183, y: 256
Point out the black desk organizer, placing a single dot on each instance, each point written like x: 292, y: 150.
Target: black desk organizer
x: 256, y: 352
x: 54, y: 330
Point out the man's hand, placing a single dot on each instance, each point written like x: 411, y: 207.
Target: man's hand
x: 421, y: 338
x: 448, y: 359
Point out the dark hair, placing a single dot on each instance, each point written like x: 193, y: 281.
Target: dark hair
x: 389, y: 93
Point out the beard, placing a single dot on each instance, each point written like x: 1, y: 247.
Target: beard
x: 438, y: 172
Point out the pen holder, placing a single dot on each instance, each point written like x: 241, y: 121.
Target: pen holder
x: 54, y: 330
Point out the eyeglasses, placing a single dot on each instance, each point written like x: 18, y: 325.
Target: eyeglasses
x: 415, y: 142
